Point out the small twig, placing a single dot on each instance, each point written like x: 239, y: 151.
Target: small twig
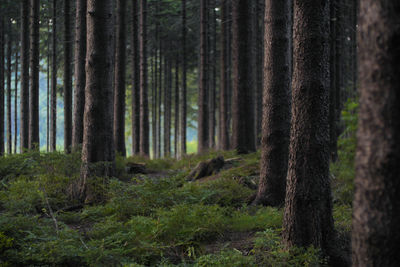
x: 50, y: 209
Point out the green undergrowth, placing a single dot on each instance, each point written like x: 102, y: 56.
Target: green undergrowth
x: 158, y: 219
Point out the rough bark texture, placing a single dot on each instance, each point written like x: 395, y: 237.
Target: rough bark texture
x: 2, y: 87
x: 376, y: 206
x: 243, y: 136
x: 24, y: 95
x: 119, y: 82
x: 308, y: 205
x: 16, y: 100
x: 144, y: 107
x: 176, y: 122
x: 80, y: 75
x: 9, y: 71
x: 34, y: 76
x: 333, y: 85
x: 53, y: 93
x: 203, y: 136
x: 98, y: 150
x: 223, y: 93
x: 184, y: 86
x: 136, y: 81
x: 276, y: 111
x: 67, y: 79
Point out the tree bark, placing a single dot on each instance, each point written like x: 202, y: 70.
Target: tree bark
x: 16, y: 100
x: 144, y: 108
x: 333, y: 85
x: 119, y: 83
x: 276, y: 113
x: 136, y: 80
x: 376, y: 206
x: 2, y: 84
x: 167, y: 108
x: 184, y: 83
x: 34, y: 142
x: 48, y: 89
x: 53, y: 93
x: 243, y: 135
x: 80, y: 75
x: 67, y: 78
x: 203, y: 113
x: 223, y: 93
x: 176, y: 123
x: 98, y: 155
x: 24, y: 95
x: 160, y: 101
x: 9, y: 71
x: 212, y: 52
x: 308, y: 205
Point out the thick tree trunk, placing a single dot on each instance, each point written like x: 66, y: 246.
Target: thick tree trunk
x: 80, y: 75
x: 53, y: 93
x: 24, y: 104
x: 144, y: 108
x: 184, y: 85
x: 34, y: 142
x: 9, y: 71
x: 223, y: 93
x: 98, y: 119
x: 136, y: 80
x: 376, y: 206
x: 176, y: 123
x: 333, y: 85
x: 2, y: 84
x: 308, y: 205
x: 243, y: 136
x: 67, y: 78
x: 203, y: 113
x: 16, y: 100
x: 119, y: 82
x: 276, y: 114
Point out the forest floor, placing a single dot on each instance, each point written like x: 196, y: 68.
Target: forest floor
x: 161, y: 218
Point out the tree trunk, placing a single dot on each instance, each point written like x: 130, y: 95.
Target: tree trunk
x: 136, y: 81
x: 308, y: 205
x: 243, y: 135
x: 276, y: 114
x: 154, y: 102
x: 80, y: 75
x: 212, y: 52
x: 333, y: 86
x: 184, y: 85
x: 34, y: 142
x: 67, y: 79
x: 160, y: 102
x: 167, y: 108
x: 223, y: 93
x: 48, y: 89
x: 98, y: 119
x: 144, y: 108
x: 16, y: 100
x: 24, y: 104
x: 203, y: 135
x: 53, y: 93
x: 376, y: 206
x: 176, y: 134
x: 119, y: 83
x: 2, y: 84
x: 9, y: 71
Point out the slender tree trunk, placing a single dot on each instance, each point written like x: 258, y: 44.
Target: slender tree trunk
x: 34, y: 142
x: 67, y: 78
x: 212, y: 52
x: 2, y: 84
x: 223, y: 96
x: 154, y: 103
x: 80, y: 75
x: 97, y: 135
x: 9, y: 71
x: 308, y: 207
x: 376, y: 206
x: 48, y: 89
x: 24, y: 104
x: 167, y: 108
x: 176, y: 134
x: 53, y: 93
x: 119, y: 93
x: 243, y: 135
x: 16, y: 100
x: 184, y: 85
x: 136, y: 80
x: 276, y: 115
x: 160, y: 101
x: 144, y: 108
x: 203, y: 135
x: 333, y: 85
